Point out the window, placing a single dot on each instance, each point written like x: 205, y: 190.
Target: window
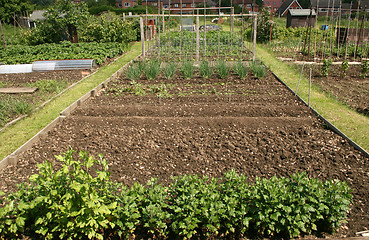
x: 267, y: 3
x: 155, y: 4
x: 120, y: 5
x: 274, y: 3
x: 336, y: 10
x: 184, y: 5
x: 323, y: 10
x: 193, y: 4
x: 176, y: 5
x: 248, y: 5
x: 166, y: 6
x: 127, y: 4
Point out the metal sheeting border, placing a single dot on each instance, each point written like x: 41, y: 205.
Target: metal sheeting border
x: 12, y: 159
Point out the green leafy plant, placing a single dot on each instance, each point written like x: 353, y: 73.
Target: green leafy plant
x: 77, y: 200
x: 152, y: 69
x: 134, y: 72
x: 345, y: 67
x: 187, y: 69
x: 169, y: 70
x: 205, y: 70
x: 222, y: 69
x: 325, y: 67
x: 258, y: 69
x: 50, y: 86
x: 240, y: 69
x: 68, y: 203
x: 364, y: 68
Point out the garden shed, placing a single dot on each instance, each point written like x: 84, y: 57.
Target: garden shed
x: 300, y: 17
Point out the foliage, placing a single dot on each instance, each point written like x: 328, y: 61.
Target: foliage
x: 258, y: 69
x: 108, y: 28
x: 205, y: 70
x: 187, y: 69
x: 264, y: 26
x: 77, y: 200
x: 10, y: 106
x: 50, y: 86
x: 16, y: 54
x: 222, y: 69
x: 325, y: 67
x: 133, y: 72
x: 345, y: 67
x: 68, y: 203
x: 169, y: 70
x: 152, y: 69
x: 240, y: 69
x: 10, y: 7
x: 364, y: 68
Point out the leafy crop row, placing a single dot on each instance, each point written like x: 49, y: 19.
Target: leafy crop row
x: 152, y: 69
x: 78, y: 201
x: 18, y: 54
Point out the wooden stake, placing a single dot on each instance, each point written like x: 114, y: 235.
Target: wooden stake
x: 2, y: 33
x: 197, y: 37
x: 254, y: 44
x: 142, y: 38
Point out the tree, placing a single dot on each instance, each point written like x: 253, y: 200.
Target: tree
x: 10, y: 7
x: 62, y: 21
x: 265, y: 24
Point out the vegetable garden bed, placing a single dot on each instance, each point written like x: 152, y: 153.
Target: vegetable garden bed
x: 168, y: 127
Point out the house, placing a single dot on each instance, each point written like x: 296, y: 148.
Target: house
x: 125, y: 3
x: 300, y: 17
x: 153, y: 3
x: 248, y: 5
x: 274, y: 5
x: 286, y: 5
x: 330, y: 7
x: 187, y: 5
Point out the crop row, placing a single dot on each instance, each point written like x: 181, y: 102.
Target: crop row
x: 20, y: 54
x: 152, y: 69
x: 77, y: 200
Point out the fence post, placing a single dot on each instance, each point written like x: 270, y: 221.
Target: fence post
x: 254, y: 44
x: 142, y: 38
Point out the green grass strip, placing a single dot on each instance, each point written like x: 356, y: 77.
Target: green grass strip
x: 351, y: 123
x: 16, y: 135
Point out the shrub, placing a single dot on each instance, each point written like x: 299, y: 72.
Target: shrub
x: 187, y: 69
x: 240, y: 69
x: 325, y: 67
x: 345, y: 67
x: 364, y: 68
x: 78, y: 201
x: 134, y: 72
x: 258, y: 69
x: 169, y: 70
x: 205, y: 70
x: 222, y: 69
x: 152, y: 69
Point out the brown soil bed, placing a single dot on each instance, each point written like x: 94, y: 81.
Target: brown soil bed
x: 352, y: 89
x: 65, y: 78
x: 256, y: 127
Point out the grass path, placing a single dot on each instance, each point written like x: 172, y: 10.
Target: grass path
x: 351, y: 123
x: 16, y: 135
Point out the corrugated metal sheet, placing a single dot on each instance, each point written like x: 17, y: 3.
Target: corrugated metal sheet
x: 51, y: 65
x: 302, y: 12
x: 19, y: 68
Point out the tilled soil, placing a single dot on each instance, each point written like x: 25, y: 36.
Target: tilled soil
x: 351, y: 89
x: 175, y: 127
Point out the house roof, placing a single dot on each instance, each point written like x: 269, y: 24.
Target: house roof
x: 301, y: 12
x: 285, y: 6
x: 208, y: 2
x: 325, y: 3
x: 37, y: 15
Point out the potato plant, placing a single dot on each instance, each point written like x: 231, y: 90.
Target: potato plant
x: 77, y: 200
